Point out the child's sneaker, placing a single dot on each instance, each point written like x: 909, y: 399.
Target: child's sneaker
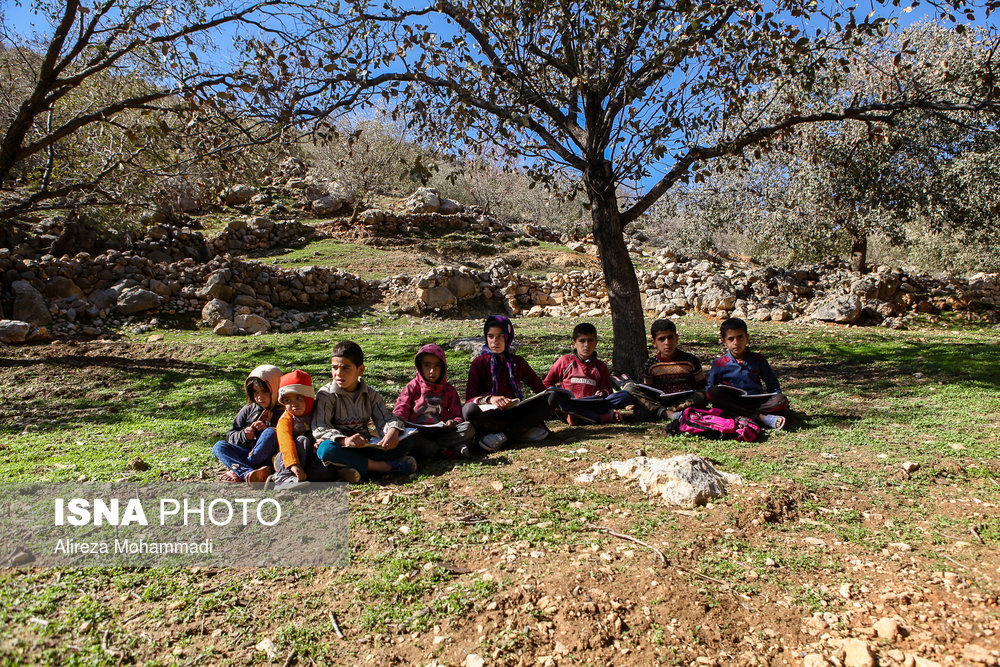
x: 491, y: 442
x: 406, y: 465
x: 349, y: 475
x: 257, y: 478
x: 613, y: 417
x: 776, y: 422
x: 463, y: 452
x: 535, y: 434
x: 291, y: 484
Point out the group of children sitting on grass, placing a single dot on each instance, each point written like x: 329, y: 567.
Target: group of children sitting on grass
x: 288, y: 434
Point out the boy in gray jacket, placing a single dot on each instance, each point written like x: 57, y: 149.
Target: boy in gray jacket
x: 343, y: 410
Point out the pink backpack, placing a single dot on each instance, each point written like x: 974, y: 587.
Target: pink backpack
x: 712, y: 424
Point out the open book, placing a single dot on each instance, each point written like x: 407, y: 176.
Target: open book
x: 742, y: 393
x: 433, y: 426
x: 660, y: 396
x: 406, y: 433
x: 522, y: 401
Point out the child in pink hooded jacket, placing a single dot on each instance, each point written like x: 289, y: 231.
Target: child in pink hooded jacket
x: 428, y: 400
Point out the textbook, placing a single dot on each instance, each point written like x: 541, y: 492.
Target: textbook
x: 522, y: 401
x: 433, y: 426
x: 743, y: 393
x: 374, y: 440
x: 660, y: 396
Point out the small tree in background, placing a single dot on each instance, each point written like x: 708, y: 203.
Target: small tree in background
x: 115, y: 96
x: 829, y: 189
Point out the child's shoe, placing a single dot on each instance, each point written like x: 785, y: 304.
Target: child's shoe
x: 349, y: 475
x: 535, y: 434
x: 291, y: 484
x: 406, y: 465
x: 613, y: 417
x: 257, y: 478
x: 491, y: 442
x: 464, y: 453
x: 775, y: 422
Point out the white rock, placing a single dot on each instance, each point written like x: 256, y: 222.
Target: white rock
x: 685, y: 480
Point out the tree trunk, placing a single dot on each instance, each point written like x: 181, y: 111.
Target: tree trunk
x: 859, y: 253
x: 627, y: 322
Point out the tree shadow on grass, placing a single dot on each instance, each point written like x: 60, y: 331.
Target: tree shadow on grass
x: 969, y: 364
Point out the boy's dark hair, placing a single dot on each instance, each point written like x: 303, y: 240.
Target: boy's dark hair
x: 255, y: 383
x: 584, y: 329
x: 349, y: 350
x: 731, y: 324
x: 662, y: 325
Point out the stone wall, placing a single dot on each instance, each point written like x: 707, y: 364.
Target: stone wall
x: 177, y: 272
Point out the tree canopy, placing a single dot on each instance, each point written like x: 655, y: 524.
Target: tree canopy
x: 828, y: 188
x: 621, y: 93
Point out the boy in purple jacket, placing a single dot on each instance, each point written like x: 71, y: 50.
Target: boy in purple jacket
x: 737, y: 379
x: 429, y: 400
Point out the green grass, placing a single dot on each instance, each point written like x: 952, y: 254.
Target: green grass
x: 330, y: 253
x: 864, y: 401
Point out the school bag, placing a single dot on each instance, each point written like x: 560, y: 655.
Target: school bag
x: 712, y: 424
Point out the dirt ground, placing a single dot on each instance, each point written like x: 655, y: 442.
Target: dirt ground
x: 594, y: 574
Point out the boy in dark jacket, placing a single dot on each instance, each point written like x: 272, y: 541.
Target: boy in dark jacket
x: 738, y: 378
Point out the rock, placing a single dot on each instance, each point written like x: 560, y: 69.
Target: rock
x: 462, y: 286
x: 329, y: 204
x: 225, y: 328
x: 37, y: 335
x: 474, y: 660
x: 471, y: 344
x: 216, y: 311
x: 160, y: 288
x: 217, y: 286
x: 252, y: 323
x: 138, y: 464
x: 437, y: 297
x: 13, y: 331
x: 815, y: 660
x: 136, y: 300
x: 976, y: 653
x: 104, y: 298
x: 910, y: 467
x: 814, y: 541
x: 29, y: 304
x: 843, y: 310
x: 424, y: 200
x: 857, y: 653
x: 685, y: 480
x: 269, y: 648
x: 887, y: 628
x: 238, y: 195
x: 61, y: 287
x: 449, y: 206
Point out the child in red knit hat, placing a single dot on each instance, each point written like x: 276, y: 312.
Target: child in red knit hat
x: 296, y: 463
